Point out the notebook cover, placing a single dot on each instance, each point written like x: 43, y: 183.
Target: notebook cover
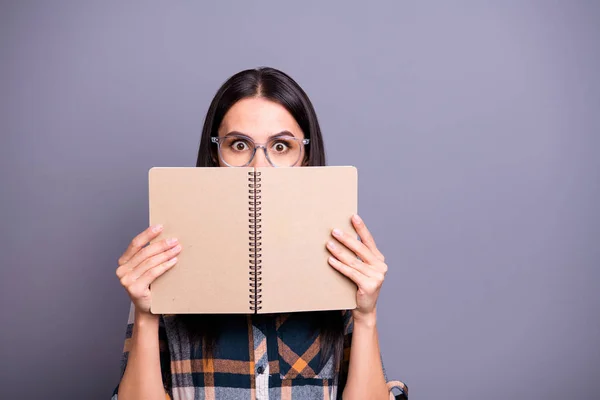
x: 207, y: 210
x: 300, y: 207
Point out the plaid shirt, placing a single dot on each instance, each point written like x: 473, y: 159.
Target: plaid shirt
x: 274, y: 357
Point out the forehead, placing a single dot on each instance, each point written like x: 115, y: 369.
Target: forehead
x: 258, y: 117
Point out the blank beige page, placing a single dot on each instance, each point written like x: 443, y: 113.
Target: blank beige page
x: 300, y: 207
x: 207, y: 210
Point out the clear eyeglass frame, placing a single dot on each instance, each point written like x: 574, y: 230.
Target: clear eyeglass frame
x: 219, y: 140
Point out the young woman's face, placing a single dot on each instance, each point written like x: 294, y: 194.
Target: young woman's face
x: 265, y: 123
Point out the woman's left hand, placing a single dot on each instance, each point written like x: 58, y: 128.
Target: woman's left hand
x: 361, y: 261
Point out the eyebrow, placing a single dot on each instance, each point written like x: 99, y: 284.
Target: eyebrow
x: 282, y: 133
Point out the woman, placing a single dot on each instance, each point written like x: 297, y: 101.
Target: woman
x: 259, y: 117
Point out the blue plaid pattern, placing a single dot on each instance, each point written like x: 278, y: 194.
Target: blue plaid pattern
x: 259, y: 357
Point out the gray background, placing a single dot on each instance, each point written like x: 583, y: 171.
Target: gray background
x: 474, y: 126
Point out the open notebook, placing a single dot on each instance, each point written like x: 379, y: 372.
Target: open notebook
x: 253, y: 239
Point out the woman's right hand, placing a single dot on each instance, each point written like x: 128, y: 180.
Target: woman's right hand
x: 139, y: 266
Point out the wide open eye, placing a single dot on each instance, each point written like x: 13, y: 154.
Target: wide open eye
x: 237, y: 144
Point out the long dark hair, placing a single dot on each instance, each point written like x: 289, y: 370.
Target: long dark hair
x: 276, y: 86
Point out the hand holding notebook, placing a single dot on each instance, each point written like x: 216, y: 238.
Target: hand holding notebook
x: 253, y: 238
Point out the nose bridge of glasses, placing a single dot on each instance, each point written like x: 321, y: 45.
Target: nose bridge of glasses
x: 260, y: 158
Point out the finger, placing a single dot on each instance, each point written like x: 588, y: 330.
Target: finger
x: 366, y: 237
x: 149, y: 276
x: 352, y: 273
x: 366, y: 285
x: 150, y: 251
x: 154, y: 261
x: 355, y: 246
x: 348, y: 258
x: 140, y: 241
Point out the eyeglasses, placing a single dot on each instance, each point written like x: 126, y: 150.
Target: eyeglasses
x: 239, y: 150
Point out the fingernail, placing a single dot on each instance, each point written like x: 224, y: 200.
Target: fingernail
x: 357, y: 219
x: 177, y: 248
x: 337, y: 232
x: 157, y: 228
x: 171, y: 241
x: 331, y: 245
x: 332, y: 260
x: 173, y: 260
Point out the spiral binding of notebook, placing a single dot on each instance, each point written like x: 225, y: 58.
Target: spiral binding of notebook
x: 255, y: 240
